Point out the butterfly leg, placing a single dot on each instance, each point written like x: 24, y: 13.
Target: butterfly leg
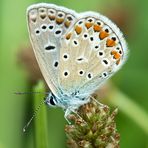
x: 67, y: 112
x: 74, y: 111
x: 102, y: 105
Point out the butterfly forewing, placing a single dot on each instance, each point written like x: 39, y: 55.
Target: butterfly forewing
x: 47, y: 23
x: 92, y: 50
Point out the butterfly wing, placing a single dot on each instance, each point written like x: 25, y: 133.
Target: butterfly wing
x: 92, y: 50
x: 47, y: 23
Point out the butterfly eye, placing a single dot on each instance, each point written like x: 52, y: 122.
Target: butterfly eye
x: 52, y: 101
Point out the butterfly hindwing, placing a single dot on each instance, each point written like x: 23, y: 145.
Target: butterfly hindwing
x: 47, y: 23
x: 92, y: 50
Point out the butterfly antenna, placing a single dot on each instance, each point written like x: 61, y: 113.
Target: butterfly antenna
x: 35, y: 112
x: 24, y: 93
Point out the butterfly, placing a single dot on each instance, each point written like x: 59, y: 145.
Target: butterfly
x: 76, y: 52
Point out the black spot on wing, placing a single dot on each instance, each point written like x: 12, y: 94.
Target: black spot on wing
x: 58, y: 32
x: 56, y: 64
x: 50, y: 47
x: 80, y: 59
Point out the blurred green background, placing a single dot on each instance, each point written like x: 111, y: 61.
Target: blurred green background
x: 130, y: 15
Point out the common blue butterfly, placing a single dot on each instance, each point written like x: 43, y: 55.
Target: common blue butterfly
x: 76, y: 52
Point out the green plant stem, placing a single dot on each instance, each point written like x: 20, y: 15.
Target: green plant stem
x: 41, y: 128
x: 129, y: 107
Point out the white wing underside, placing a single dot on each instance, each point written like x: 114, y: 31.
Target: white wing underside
x: 89, y: 49
x: 42, y: 25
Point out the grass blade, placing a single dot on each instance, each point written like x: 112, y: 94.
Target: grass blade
x: 41, y: 128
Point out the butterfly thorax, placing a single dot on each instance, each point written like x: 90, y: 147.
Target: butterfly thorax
x: 72, y: 101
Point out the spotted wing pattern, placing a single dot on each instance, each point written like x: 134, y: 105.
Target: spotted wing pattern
x: 47, y: 23
x: 92, y: 50
x: 75, y: 52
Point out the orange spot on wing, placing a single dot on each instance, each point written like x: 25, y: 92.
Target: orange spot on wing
x: 116, y: 54
x: 97, y: 28
x: 118, y: 62
x: 78, y: 29
x: 113, y: 52
x: 110, y: 43
x: 68, y: 36
x: 103, y: 34
x: 88, y: 25
x: 33, y: 19
x: 51, y: 17
x: 67, y: 24
x: 42, y: 16
x: 59, y: 20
